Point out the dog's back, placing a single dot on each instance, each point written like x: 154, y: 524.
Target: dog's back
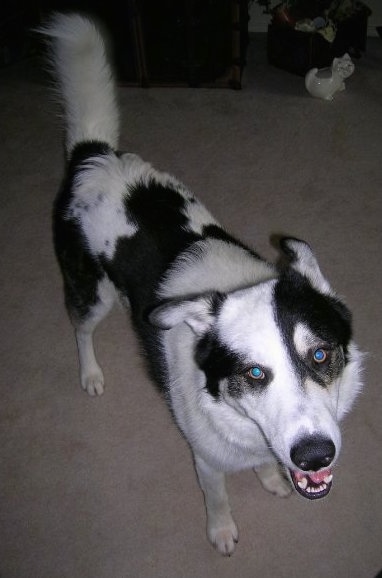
x: 120, y: 224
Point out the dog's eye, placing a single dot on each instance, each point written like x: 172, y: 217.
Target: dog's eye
x: 320, y: 356
x: 256, y: 373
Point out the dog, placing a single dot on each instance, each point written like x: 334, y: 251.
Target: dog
x: 256, y: 360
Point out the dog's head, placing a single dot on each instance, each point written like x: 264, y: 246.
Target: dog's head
x: 281, y: 354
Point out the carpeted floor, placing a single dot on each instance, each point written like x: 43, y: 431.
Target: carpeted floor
x: 105, y: 488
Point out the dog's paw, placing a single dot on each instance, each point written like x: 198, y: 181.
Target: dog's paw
x: 224, y: 538
x: 93, y: 384
x: 273, y: 481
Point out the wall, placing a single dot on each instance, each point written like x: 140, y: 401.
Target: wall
x: 259, y: 21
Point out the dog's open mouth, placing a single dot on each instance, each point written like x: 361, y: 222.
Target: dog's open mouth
x: 312, y: 486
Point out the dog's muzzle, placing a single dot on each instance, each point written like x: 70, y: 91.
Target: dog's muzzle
x: 312, y: 456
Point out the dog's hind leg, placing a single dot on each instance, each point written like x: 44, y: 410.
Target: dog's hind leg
x: 221, y: 529
x: 91, y: 375
x: 272, y: 480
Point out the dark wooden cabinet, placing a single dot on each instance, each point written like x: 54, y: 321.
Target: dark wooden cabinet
x: 172, y: 42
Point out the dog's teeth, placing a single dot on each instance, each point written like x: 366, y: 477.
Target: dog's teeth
x: 303, y: 483
x: 313, y: 489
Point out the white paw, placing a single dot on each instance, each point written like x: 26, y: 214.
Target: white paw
x: 279, y: 487
x: 273, y: 481
x: 93, y: 384
x: 224, y: 538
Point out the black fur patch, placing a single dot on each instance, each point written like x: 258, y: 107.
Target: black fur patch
x: 81, y: 272
x: 216, y: 361
x: 140, y: 261
x: 216, y: 232
x: 157, y: 208
x: 296, y: 301
x: 84, y: 151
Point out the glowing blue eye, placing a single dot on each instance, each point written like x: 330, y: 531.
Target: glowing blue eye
x: 320, y: 356
x: 256, y: 373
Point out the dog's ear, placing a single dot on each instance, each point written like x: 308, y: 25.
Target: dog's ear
x: 197, y: 312
x: 303, y: 260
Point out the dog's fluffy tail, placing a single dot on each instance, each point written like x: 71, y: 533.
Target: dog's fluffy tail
x: 84, y: 77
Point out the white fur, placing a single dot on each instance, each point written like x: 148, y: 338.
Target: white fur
x: 196, y: 272
x: 304, y: 339
x: 85, y: 80
x: 350, y: 384
x: 98, y: 204
x: 306, y: 263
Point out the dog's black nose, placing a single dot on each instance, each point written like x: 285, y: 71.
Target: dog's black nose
x: 312, y: 454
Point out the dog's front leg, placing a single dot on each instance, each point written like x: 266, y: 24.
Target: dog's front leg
x: 273, y: 480
x: 221, y: 529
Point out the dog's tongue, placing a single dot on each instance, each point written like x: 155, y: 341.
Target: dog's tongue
x: 318, y: 477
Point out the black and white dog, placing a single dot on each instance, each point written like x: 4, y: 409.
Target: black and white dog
x: 256, y: 362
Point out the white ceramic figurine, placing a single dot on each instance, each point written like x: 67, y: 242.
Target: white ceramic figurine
x: 325, y: 82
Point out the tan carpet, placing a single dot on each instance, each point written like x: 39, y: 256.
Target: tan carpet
x: 105, y: 488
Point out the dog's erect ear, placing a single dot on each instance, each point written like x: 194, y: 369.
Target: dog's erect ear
x: 197, y: 312
x: 303, y: 260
